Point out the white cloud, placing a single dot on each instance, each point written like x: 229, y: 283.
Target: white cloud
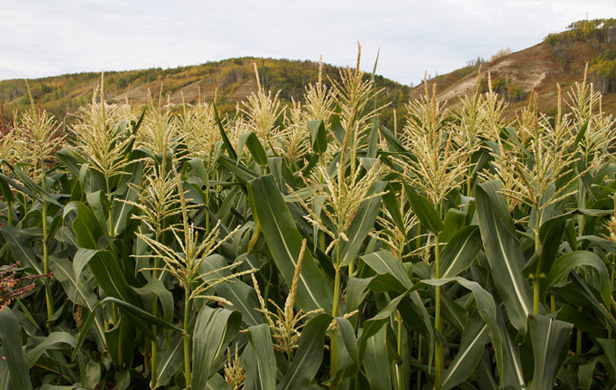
x: 43, y: 38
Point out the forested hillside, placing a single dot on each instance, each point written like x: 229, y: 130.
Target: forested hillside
x: 230, y: 81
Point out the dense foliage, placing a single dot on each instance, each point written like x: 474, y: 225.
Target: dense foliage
x: 310, y: 247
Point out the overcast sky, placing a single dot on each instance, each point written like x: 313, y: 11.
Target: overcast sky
x: 50, y: 37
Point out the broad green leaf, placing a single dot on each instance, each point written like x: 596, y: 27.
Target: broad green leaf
x: 214, y: 330
x: 513, y: 373
x: 377, y: 365
x: 99, y: 204
x: 109, y: 275
x: 140, y: 317
x: 472, y: 347
x: 424, y: 210
x: 239, y: 170
x: 5, y: 375
x: 504, y: 253
x: 318, y: 136
x: 284, y: 240
x: 392, y: 141
x: 5, y: 190
x: 121, y: 341
x: 259, y: 359
x: 170, y: 359
x: 549, y: 338
x: 308, y: 356
x: 255, y: 148
x: 336, y: 128
x: 484, y: 302
x: 585, y: 374
x: 609, y: 349
x: 362, y: 224
x: 385, y: 263
x: 85, y: 225
x: 348, y: 353
x: 559, y: 272
x: 10, y: 335
x: 70, y: 160
x: 390, y: 201
x: 77, y: 290
x: 550, y: 235
x: 375, y: 324
x: 460, y: 251
x: 241, y: 295
x: 454, y: 221
x: 156, y: 288
x: 21, y: 248
x: 50, y: 342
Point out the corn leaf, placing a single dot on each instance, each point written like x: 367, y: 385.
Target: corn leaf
x: 284, y: 241
x: 504, y: 253
x: 549, y: 338
x: 214, y: 330
x: 10, y: 335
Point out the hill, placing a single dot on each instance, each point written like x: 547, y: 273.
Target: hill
x: 231, y: 81
x: 561, y: 58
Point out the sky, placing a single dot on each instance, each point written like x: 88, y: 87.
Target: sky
x: 51, y: 37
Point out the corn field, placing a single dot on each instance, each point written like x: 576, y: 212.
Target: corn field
x: 310, y: 247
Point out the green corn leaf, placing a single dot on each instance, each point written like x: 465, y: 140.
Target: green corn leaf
x: 284, y: 240
x: 170, y: 360
x: 156, y: 288
x: 566, y: 263
x: 549, y: 339
x: 454, y: 221
x: 255, y: 147
x: 85, y: 225
x: 362, y: 225
x: 484, y: 302
x: 109, y: 275
x: 348, y: 352
x: 260, y: 359
x: 609, y: 349
x: 50, y: 342
x: 472, y: 347
x: 121, y: 342
x: 214, y: 330
x: 10, y: 335
x: 242, y: 297
x: 392, y: 141
x: 318, y: 136
x: 377, y: 365
x: 308, y: 356
x: 239, y: 170
x: 504, y: 253
x: 460, y: 251
x: 390, y: 201
x: 336, y: 128
x: 21, y: 248
x: 424, y: 210
x: 385, y: 263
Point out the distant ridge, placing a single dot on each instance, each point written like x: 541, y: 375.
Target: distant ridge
x: 231, y: 81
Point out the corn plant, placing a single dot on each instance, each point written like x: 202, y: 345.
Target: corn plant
x: 310, y: 247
